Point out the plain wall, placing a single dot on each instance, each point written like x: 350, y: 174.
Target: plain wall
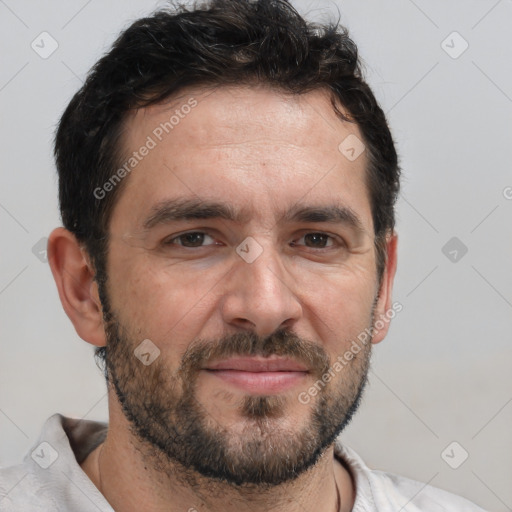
x: 443, y: 372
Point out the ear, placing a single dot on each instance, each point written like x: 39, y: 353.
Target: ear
x: 383, y: 309
x: 78, y: 291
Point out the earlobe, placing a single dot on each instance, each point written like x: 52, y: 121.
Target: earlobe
x: 383, y: 308
x: 77, y: 289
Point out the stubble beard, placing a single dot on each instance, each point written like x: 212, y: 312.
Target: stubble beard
x: 180, y: 440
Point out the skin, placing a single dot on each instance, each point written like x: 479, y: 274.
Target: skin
x: 253, y: 148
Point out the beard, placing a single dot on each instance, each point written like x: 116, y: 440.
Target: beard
x: 181, y: 439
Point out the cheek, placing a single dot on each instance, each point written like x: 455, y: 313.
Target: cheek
x: 162, y: 303
x: 338, y: 305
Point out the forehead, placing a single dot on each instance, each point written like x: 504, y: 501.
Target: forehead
x: 242, y: 144
x: 209, y: 117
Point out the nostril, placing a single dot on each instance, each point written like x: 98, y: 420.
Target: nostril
x: 245, y: 322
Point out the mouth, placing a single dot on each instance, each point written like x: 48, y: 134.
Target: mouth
x: 259, y: 375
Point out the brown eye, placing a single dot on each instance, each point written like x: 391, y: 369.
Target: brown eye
x: 316, y: 240
x: 190, y: 239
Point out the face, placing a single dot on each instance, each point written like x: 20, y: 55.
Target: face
x: 242, y: 252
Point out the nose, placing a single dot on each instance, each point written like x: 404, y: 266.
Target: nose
x: 260, y: 295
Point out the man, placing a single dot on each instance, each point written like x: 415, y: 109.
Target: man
x: 227, y: 187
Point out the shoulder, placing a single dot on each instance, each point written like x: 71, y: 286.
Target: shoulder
x: 418, y: 496
x: 21, y: 488
x: 50, y: 478
x: 9, y: 478
x: 382, y: 491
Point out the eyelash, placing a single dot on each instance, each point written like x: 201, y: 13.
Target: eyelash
x: 334, y: 240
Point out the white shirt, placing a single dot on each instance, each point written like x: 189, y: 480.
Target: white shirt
x: 50, y: 479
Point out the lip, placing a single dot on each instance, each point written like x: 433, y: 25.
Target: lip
x: 258, y: 364
x: 259, y: 375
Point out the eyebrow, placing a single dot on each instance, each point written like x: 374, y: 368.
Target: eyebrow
x: 170, y: 210
x: 184, y: 209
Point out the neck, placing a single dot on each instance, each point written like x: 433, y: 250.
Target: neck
x: 132, y: 477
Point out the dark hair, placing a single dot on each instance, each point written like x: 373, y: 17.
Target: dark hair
x: 213, y: 43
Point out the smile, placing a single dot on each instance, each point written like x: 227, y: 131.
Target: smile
x: 259, y: 375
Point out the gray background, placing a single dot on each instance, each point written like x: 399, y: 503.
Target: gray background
x: 443, y: 373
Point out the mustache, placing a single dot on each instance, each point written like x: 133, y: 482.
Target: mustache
x: 282, y: 343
